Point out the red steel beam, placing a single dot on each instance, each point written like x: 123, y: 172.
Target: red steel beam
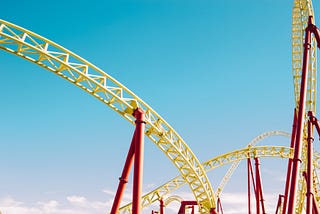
x: 300, y: 122
x: 309, y: 179
x: 123, y: 180
x: 289, y: 170
x: 249, y: 185
x: 161, y: 206
x: 138, y: 161
x: 183, y: 205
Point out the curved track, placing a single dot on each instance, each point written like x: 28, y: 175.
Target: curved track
x: 102, y: 86
x: 221, y: 160
x: 235, y: 157
x: 302, y: 9
x: 99, y: 84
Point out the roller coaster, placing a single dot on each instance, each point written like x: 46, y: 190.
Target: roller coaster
x: 302, y: 184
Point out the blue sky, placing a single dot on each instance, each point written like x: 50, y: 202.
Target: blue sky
x: 218, y: 71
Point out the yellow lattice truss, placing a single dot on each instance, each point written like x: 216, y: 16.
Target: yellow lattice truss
x: 99, y: 84
x: 302, y: 9
x: 221, y: 160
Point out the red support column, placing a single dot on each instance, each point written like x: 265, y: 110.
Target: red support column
x: 219, y: 206
x: 300, y: 123
x: 315, y: 208
x: 138, y: 161
x: 249, y: 185
x: 280, y: 202
x: 309, y: 179
x: 123, y: 180
x: 183, y: 205
x: 192, y: 209
x: 161, y: 206
x: 259, y: 185
x: 289, y: 170
x: 213, y: 211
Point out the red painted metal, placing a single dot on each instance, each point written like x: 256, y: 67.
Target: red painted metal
x: 259, y: 186
x: 311, y: 201
x: 280, y: 202
x: 161, y: 206
x: 315, y: 208
x: 251, y: 174
x: 135, y: 153
x: 123, y: 180
x: 289, y: 170
x: 213, y: 211
x: 311, y: 28
x: 249, y: 185
x: 138, y: 161
x: 309, y: 193
x: 183, y: 205
x: 300, y: 123
x: 257, y: 194
x: 192, y: 209
x: 219, y: 206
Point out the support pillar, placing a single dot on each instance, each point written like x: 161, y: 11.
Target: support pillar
x: 300, y: 123
x: 309, y: 179
x: 135, y: 153
x: 123, y: 180
x: 161, y: 206
x: 289, y: 170
x: 138, y: 161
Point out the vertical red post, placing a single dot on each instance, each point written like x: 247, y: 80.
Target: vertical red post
x: 259, y: 184
x: 280, y: 202
x: 161, y: 206
x: 123, y: 180
x: 219, y: 206
x: 249, y: 183
x: 213, y: 211
x: 309, y: 193
x: 300, y: 123
x: 315, y: 209
x: 289, y: 170
x: 138, y: 161
x: 257, y: 187
x: 192, y: 209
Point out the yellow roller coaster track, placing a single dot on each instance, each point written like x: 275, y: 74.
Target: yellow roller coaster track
x: 302, y: 9
x: 178, y: 181
x: 99, y: 84
x: 221, y: 160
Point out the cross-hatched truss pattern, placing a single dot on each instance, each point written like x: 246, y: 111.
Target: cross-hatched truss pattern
x: 301, y: 11
x: 99, y: 84
x: 221, y: 160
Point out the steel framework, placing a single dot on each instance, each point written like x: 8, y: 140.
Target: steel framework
x: 99, y: 84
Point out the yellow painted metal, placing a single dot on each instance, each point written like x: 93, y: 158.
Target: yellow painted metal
x: 253, y: 142
x: 302, y: 9
x: 221, y: 160
x: 99, y: 84
x: 171, y: 199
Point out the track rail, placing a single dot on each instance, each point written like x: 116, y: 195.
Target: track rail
x: 301, y: 11
x: 78, y: 71
x: 221, y: 160
x: 234, y: 165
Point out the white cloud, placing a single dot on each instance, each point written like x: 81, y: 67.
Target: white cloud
x: 75, y: 205
x: 77, y: 200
